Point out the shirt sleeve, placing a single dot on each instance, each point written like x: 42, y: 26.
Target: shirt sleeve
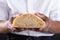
x: 55, y: 11
x: 55, y: 15
x: 3, y: 11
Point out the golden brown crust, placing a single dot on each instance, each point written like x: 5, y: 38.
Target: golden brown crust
x: 28, y: 21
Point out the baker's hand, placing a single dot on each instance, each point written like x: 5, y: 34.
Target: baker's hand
x: 13, y: 29
x: 47, y: 22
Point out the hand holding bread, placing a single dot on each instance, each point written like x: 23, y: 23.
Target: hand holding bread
x: 14, y: 29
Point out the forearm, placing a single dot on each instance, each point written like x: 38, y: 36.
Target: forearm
x: 3, y: 27
x: 54, y: 27
x: 4, y: 30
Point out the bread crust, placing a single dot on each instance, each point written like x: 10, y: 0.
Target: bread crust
x: 28, y: 21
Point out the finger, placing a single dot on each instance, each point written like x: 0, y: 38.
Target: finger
x: 44, y: 28
x: 13, y: 29
x: 41, y: 29
x: 41, y: 16
x: 11, y: 20
x: 19, y: 29
x: 34, y: 29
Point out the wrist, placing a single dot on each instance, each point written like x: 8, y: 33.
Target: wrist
x: 4, y: 28
x: 50, y: 26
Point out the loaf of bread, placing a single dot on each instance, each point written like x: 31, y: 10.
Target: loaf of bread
x: 28, y: 21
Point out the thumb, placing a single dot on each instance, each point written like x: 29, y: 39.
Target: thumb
x: 44, y: 28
